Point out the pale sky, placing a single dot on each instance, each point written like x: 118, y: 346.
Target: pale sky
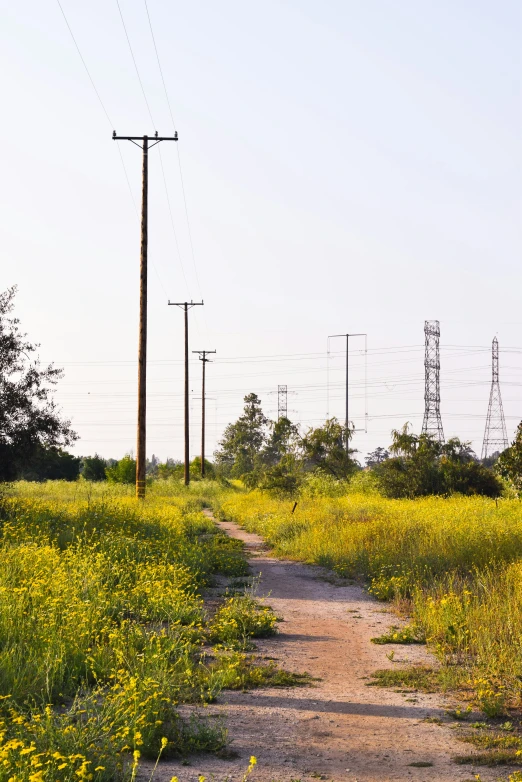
x: 348, y: 166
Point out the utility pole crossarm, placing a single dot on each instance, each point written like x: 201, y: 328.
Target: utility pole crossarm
x: 140, y: 138
x: 186, y: 304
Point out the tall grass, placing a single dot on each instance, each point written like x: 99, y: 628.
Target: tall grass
x: 458, y: 561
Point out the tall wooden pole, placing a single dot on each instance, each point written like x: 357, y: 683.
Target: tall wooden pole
x: 186, y: 306
x: 187, y: 435
x: 203, y: 358
x: 141, y: 445
x: 347, y: 395
x: 142, y: 342
x: 203, y: 421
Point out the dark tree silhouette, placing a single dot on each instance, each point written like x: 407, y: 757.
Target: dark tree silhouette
x: 29, y: 418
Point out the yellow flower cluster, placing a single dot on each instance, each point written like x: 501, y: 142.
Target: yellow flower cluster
x: 101, y: 617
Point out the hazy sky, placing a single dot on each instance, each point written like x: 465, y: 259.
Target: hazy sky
x: 347, y: 166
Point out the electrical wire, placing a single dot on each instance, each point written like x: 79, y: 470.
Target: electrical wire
x: 135, y: 64
x: 111, y: 125
x: 160, y: 68
x: 169, y: 206
x: 189, y: 230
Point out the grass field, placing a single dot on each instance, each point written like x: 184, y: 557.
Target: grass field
x: 103, y: 629
x: 455, y: 565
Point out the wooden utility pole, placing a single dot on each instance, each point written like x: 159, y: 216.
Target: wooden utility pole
x: 203, y: 357
x: 186, y: 306
x: 142, y: 342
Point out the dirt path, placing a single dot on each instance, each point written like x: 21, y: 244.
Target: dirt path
x: 339, y: 728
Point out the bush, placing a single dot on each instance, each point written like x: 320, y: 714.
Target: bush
x: 282, y: 478
x: 50, y: 464
x: 93, y: 468
x: 123, y: 471
x: 409, y: 477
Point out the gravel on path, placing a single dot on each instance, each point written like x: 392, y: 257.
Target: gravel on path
x: 338, y: 728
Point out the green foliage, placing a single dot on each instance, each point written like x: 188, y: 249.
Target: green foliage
x: 103, y: 632
x: 241, y: 672
x: 416, y: 677
x: 239, y: 619
x: 171, y: 468
x: 324, y: 448
x: 321, y: 484
x: 509, y: 464
x: 195, y: 469
x: 284, y: 477
x: 50, y: 464
x: 423, y: 466
x: 242, y: 442
x: 30, y: 421
x: 410, y: 634
x: 282, y: 442
x: 377, y: 457
x: 93, y: 468
x: 468, y: 478
x: 123, y: 471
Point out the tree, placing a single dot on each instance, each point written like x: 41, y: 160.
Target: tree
x: 123, y: 471
x: 425, y: 466
x: 195, y: 469
x: 171, y: 468
x: 285, y: 477
x: 243, y: 441
x: 93, y: 468
x: 283, y: 440
x: 151, y: 466
x: 50, y: 464
x: 457, y: 451
x: 509, y: 464
x: 325, y: 448
x: 377, y: 457
x: 29, y: 417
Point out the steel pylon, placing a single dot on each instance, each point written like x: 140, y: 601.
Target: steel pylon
x: 432, y: 423
x: 495, y: 434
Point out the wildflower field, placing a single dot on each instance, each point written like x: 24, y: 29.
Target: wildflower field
x: 104, y: 631
x: 454, y: 565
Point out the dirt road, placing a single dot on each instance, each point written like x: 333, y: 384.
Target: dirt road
x: 338, y: 729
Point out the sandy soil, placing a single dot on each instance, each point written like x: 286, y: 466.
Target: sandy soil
x: 339, y: 728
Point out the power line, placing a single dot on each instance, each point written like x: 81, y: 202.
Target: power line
x: 135, y: 64
x: 189, y: 230
x: 110, y: 123
x: 85, y: 65
x: 152, y: 120
x: 159, y: 66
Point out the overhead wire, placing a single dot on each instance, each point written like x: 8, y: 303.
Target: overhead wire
x: 109, y: 121
x: 189, y: 230
x: 167, y: 195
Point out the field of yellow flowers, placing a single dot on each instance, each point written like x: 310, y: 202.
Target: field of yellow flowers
x: 455, y: 564
x: 103, y: 630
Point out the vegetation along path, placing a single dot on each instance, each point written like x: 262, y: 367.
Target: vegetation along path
x: 338, y: 727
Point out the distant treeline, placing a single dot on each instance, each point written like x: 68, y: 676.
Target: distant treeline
x: 56, y: 464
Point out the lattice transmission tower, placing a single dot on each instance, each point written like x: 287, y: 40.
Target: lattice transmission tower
x: 432, y: 423
x: 282, y: 402
x: 495, y: 434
